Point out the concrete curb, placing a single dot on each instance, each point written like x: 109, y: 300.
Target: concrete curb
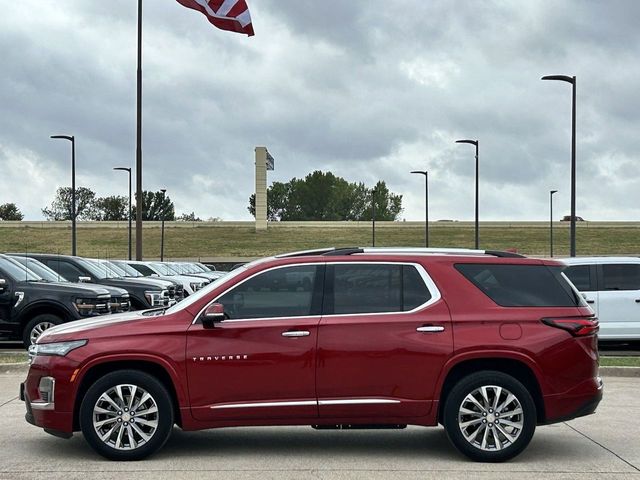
x: 620, y: 372
x: 13, y: 368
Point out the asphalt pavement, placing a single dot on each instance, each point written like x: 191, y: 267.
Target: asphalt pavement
x: 604, y: 446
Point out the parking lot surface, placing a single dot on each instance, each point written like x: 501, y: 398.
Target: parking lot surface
x: 605, y: 446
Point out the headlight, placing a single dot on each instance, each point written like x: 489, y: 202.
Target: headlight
x: 195, y: 286
x: 59, y: 349
x: 92, y: 306
x: 157, y: 298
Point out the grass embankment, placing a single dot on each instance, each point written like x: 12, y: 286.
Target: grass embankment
x: 13, y: 357
x: 235, y: 241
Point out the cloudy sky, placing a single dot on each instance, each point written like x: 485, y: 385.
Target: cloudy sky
x: 367, y: 89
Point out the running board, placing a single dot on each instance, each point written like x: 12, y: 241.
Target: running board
x: 345, y: 426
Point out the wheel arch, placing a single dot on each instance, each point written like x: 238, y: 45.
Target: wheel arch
x: 518, y: 368
x: 40, y: 308
x: 155, y: 367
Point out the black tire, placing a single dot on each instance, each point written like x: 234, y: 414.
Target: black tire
x: 136, y: 450
x: 495, y: 449
x: 38, y: 323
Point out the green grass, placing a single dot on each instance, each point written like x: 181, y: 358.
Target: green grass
x: 620, y: 361
x: 243, y: 241
x: 13, y: 357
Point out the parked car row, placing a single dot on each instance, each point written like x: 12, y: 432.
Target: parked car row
x: 38, y: 291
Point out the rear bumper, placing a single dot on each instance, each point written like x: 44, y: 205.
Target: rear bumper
x: 581, y: 401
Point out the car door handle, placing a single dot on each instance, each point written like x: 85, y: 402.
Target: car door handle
x: 296, y: 333
x: 637, y: 300
x: 430, y: 329
x: 593, y: 301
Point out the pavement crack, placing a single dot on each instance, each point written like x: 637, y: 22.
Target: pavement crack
x: 9, y: 401
x: 601, y: 445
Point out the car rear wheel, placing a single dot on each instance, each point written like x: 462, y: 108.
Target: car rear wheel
x: 126, y: 415
x: 37, y: 326
x: 490, y: 416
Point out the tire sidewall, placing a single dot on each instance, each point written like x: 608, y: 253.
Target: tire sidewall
x: 466, y: 386
x: 42, y: 318
x: 152, y: 385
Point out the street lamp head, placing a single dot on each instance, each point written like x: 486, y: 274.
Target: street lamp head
x: 470, y: 142
x: 124, y: 169
x: 563, y: 78
x: 65, y: 137
x: 421, y: 172
x: 553, y: 191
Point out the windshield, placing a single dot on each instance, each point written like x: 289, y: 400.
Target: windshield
x: 40, y: 269
x: 128, y: 269
x: 194, y: 297
x: 95, y: 269
x: 17, y: 271
x: 161, y: 268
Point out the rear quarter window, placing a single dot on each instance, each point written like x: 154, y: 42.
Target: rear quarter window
x: 522, y: 285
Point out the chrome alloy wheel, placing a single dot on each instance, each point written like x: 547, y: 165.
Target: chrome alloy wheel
x: 125, y: 417
x: 38, y: 330
x: 491, y: 418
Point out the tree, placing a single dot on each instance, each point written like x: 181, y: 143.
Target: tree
x: 9, y: 211
x: 61, y: 206
x: 112, y: 208
x: 153, y: 206
x: 324, y: 196
x: 189, y: 217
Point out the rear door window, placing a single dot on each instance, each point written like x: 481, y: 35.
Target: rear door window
x: 522, y: 285
x: 65, y: 269
x: 374, y: 288
x: 621, y: 276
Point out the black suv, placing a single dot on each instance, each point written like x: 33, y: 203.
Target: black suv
x: 144, y: 293
x: 120, y: 301
x: 29, y: 305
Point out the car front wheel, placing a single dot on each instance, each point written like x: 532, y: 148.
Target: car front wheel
x: 490, y: 416
x: 126, y: 415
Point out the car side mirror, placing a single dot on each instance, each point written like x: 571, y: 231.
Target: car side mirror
x: 3, y: 284
x: 212, y: 314
x: 84, y: 279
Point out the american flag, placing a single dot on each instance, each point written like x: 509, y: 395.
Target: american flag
x: 232, y: 15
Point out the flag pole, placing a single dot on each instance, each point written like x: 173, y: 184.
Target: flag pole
x: 139, y: 140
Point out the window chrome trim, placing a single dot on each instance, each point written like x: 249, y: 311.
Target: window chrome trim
x: 428, y: 281
x: 304, y: 403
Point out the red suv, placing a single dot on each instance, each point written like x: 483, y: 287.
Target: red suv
x: 488, y: 344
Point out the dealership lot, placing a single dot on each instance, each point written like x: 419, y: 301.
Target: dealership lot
x: 605, y: 445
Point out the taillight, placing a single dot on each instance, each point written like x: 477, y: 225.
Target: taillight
x: 576, y: 326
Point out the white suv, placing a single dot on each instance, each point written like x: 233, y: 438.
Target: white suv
x: 611, y: 286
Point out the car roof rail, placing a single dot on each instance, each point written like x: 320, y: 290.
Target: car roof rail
x: 333, y: 251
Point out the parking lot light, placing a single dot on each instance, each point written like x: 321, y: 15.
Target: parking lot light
x: 72, y: 139
x: 572, y: 81
x: 164, y: 190
x: 475, y: 143
x: 426, y: 205
x: 551, y: 192
x: 128, y: 169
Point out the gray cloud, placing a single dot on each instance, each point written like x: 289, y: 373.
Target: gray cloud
x: 367, y: 89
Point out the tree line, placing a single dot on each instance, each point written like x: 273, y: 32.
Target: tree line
x: 318, y: 196
x: 324, y: 196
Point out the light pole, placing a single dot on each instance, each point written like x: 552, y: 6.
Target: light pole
x: 572, y: 81
x: 475, y: 143
x: 72, y: 139
x: 551, y: 192
x: 373, y: 216
x: 162, y: 232
x: 426, y: 205
x: 128, y: 169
